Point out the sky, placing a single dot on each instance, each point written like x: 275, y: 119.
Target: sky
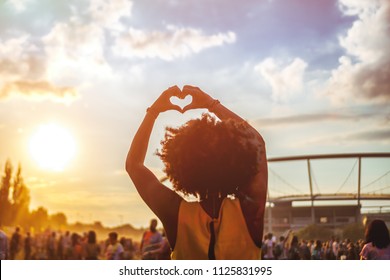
x: 313, y: 77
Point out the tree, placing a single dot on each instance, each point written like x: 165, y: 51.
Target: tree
x: 5, y: 204
x: 20, y: 198
x: 354, y: 231
x: 39, y: 218
x: 98, y: 225
x: 315, y: 232
x: 15, y: 202
x: 58, y: 220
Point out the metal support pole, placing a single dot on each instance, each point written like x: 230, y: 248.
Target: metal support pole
x: 359, y: 186
x: 270, y: 218
x: 311, y: 192
x: 269, y: 213
x: 359, y: 179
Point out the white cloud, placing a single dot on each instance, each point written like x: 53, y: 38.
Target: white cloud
x: 23, y: 73
x: 358, y: 7
x: 19, y: 58
x: 172, y: 43
x: 108, y: 13
x: 286, y: 80
x: 75, y: 50
x: 363, y: 73
x: 41, y: 90
x: 72, y: 49
x: 32, y: 68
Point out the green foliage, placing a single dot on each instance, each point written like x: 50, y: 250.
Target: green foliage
x: 20, y: 198
x: 354, y: 231
x: 313, y: 232
x: 58, y: 220
x: 5, y: 190
x: 39, y: 218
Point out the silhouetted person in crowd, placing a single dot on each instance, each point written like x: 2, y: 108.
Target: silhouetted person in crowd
x: 27, y: 246
x: 220, y: 162
x: 15, y: 244
x: 114, y: 251
x: 335, y: 248
x: 3, y: 245
x: 351, y: 252
x: 329, y: 249
x: 304, y: 251
x: 317, y: 252
x: 91, y: 248
x: 268, y: 247
x: 127, y: 244
x: 293, y: 251
x: 60, y: 247
x: 163, y: 250
x: 151, y: 240
x: 67, y: 251
x: 77, y: 248
x: 51, y: 246
x: 279, y: 250
x: 377, y: 242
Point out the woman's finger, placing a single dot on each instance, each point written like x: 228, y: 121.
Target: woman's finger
x: 177, y: 108
x: 188, y: 107
x: 174, y: 91
x: 189, y: 90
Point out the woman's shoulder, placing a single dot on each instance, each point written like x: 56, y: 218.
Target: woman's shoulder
x: 370, y: 252
x: 367, y: 248
x: 384, y: 253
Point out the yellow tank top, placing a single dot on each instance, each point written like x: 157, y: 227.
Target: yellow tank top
x: 232, y: 238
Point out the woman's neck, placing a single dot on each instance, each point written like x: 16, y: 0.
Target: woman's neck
x: 211, y: 205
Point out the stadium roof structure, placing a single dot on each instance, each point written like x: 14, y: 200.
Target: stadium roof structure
x: 309, y: 195
x: 333, y: 196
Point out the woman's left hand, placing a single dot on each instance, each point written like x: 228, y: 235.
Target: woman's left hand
x: 163, y: 102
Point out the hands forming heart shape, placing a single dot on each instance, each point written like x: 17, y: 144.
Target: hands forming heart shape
x: 182, y: 100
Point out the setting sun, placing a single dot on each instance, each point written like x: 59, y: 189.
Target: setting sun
x: 52, y: 147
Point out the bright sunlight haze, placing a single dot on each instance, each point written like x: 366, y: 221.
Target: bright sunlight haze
x: 52, y: 147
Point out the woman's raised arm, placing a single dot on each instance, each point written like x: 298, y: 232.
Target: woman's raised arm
x: 161, y: 200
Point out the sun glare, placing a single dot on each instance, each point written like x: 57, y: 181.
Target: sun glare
x: 52, y: 147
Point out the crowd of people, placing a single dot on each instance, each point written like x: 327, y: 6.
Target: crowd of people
x: 295, y: 249
x: 153, y: 245
x: 53, y: 245
x: 375, y: 246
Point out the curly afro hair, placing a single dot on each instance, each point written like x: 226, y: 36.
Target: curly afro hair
x: 205, y: 156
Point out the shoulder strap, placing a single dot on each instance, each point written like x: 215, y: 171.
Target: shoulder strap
x: 211, y: 253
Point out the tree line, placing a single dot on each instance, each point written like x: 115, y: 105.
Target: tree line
x: 15, y: 203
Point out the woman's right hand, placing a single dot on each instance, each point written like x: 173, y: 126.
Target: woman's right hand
x: 200, y: 99
x: 163, y: 102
